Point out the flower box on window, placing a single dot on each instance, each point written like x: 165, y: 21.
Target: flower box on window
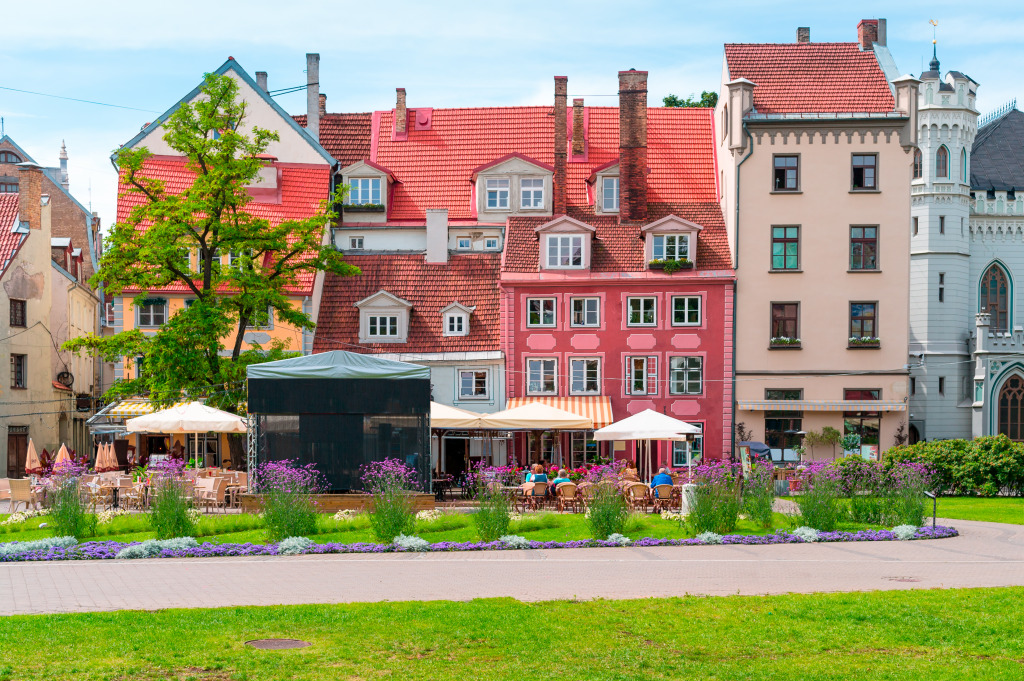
x: 784, y: 343
x: 864, y: 342
x: 670, y: 266
x: 363, y: 208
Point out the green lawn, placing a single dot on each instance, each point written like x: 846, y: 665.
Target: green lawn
x: 954, y: 634
x: 995, y: 510
x: 223, y: 529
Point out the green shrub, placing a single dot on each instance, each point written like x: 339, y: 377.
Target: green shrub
x: 759, y: 494
x: 170, y: 501
x: 714, y: 504
x: 287, y: 495
x: 68, y: 511
x: 821, y: 505
x: 607, y: 511
x: 391, y: 483
x: 986, y: 466
x: 495, y: 515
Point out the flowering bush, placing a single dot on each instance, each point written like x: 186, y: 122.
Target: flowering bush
x: 606, y: 511
x: 68, y: 510
x: 784, y: 340
x: 483, y: 473
x: 19, y: 547
x: 864, y: 340
x: 759, y: 493
x: 619, y: 539
x: 710, y: 538
x: 808, y: 534
x: 514, y: 541
x: 429, y: 515
x: 293, y: 546
x: 107, y: 516
x: 286, y: 492
x: 152, y: 548
x: 673, y: 515
x: 390, y: 482
x: 170, y: 500
x: 346, y: 514
x: 21, y: 516
x: 820, y: 504
x: 905, y: 532
x: 494, y: 516
x: 411, y: 543
x: 714, y: 504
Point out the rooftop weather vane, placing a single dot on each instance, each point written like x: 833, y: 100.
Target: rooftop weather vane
x: 934, y: 64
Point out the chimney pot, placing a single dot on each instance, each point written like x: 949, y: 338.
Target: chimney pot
x: 313, y: 96
x: 401, y: 114
x: 867, y: 34
x: 633, y: 145
x: 803, y: 34
x: 578, y: 143
x: 261, y: 80
x: 561, y: 144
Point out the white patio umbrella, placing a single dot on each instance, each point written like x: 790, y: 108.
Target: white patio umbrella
x: 192, y: 417
x: 646, y: 426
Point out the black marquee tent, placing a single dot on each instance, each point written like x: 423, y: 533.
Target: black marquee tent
x: 340, y: 410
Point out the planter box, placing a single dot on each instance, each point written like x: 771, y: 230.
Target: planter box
x: 784, y: 346
x: 864, y: 346
x: 661, y: 266
x: 363, y: 209
x: 332, y: 503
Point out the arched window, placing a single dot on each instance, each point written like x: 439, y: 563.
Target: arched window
x: 1011, y: 408
x: 917, y: 164
x: 994, y: 297
x: 963, y: 166
x: 9, y: 157
x: 942, y: 162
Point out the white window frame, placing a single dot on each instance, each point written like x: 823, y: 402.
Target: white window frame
x: 456, y: 324
x: 542, y: 368
x: 643, y: 308
x: 690, y: 304
x: 491, y: 243
x: 632, y: 364
x: 613, y: 205
x: 498, y: 188
x: 579, y: 373
x: 567, y: 246
x: 474, y: 376
x: 151, y: 324
x: 355, y: 243
x: 685, y: 365
x: 362, y: 190
x: 671, y: 247
x: 391, y: 326
x: 464, y: 243
x: 270, y: 321
x: 531, y: 197
x: 544, y: 305
x: 596, y: 312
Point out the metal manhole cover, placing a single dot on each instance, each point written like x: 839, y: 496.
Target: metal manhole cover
x: 277, y: 643
x: 902, y: 579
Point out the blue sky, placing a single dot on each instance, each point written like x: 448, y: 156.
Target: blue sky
x: 445, y: 53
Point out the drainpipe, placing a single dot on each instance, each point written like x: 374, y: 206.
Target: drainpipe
x: 735, y: 286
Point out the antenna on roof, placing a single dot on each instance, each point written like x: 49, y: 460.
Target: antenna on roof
x: 998, y: 113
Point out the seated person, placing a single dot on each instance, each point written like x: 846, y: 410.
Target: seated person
x: 537, y: 475
x: 562, y: 477
x: 662, y: 478
x: 630, y: 472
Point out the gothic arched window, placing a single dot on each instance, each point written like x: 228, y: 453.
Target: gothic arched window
x: 963, y: 166
x: 917, y: 164
x: 1011, y: 408
x: 942, y: 162
x: 995, y: 297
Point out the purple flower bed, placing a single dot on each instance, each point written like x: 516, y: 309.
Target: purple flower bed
x: 103, y: 550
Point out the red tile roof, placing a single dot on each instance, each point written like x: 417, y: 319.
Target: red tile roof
x: 434, y: 166
x: 345, y: 136
x: 811, y: 77
x: 618, y: 247
x: 469, y: 279
x: 303, y: 188
x: 10, y: 241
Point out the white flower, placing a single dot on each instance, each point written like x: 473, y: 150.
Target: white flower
x: 22, y: 516
x: 808, y: 534
x: 105, y: 517
x: 427, y: 516
x: 709, y: 538
x: 194, y: 515
x: 411, y: 543
x: 516, y: 517
x: 673, y: 515
x: 619, y: 539
x: 905, y: 532
x: 293, y: 546
x: 514, y: 541
x: 345, y: 514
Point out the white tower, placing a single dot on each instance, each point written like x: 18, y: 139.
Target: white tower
x: 940, y: 282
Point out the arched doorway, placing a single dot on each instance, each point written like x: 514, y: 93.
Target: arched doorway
x: 995, y: 296
x: 1011, y: 408
x: 913, y: 435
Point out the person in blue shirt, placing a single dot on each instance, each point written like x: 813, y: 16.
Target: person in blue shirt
x: 563, y: 476
x: 538, y: 475
x: 662, y: 478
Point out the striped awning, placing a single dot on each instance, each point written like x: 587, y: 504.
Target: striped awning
x: 135, y: 407
x: 821, y: 405
x: 595, y: 407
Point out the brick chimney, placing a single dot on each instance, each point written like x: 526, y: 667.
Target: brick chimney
x: 313, y: 96
x: 867, y: 34
x: 803, y: 34
x: 561, y: 143
x: 30, y: 194
x: 633, y: 145
x: 401, y: 116
x: 577, y: 127
x: 261, y: 80
x: 323, y: 105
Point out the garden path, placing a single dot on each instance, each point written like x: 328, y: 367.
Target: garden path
x: 985, y: 555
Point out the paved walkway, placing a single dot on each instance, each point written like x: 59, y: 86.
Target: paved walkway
x: 986, y: 554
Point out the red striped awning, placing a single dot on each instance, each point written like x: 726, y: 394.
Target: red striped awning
x: 595, y: 407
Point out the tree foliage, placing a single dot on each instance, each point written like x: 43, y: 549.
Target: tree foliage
x: 176, y: 239
x: 707, y: 99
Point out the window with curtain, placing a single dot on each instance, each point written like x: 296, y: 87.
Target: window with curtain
x: 942, y: 162
x: 994, y: 297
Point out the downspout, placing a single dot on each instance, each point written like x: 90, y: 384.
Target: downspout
x: 735, y: 284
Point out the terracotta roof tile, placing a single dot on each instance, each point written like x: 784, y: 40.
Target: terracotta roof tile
x: 9, y: 240
x: 469, y: 279
x: 303, y: 187
x: 345, y: 136
x: 811, y: 77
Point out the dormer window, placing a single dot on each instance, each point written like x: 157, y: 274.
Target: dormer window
x: 383, y: 318
x: 364, y: 191
x: 455, y: 318
x: 610, y: 194
x: 464, y: 243
x: 671, y: 247
x: 497, y: 193
x: 565, y: 244
x: 382, y: 326
x: 564, y: 251
x: 670, y: 243
x: 532, y: 192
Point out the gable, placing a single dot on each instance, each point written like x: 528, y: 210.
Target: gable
x: 513, y: 164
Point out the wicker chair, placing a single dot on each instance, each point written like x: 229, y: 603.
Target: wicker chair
x: 566, y: 496
x: 662, y: 498
x: 534, y: 499
x: 636, y: 497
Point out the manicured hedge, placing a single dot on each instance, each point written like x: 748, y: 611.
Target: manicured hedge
x: 986, y: 466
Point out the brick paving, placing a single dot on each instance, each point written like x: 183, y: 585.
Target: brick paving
x: 985, y: 555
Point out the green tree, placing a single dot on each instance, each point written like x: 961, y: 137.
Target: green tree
x: 708, y: 99
x: 157, y: 243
